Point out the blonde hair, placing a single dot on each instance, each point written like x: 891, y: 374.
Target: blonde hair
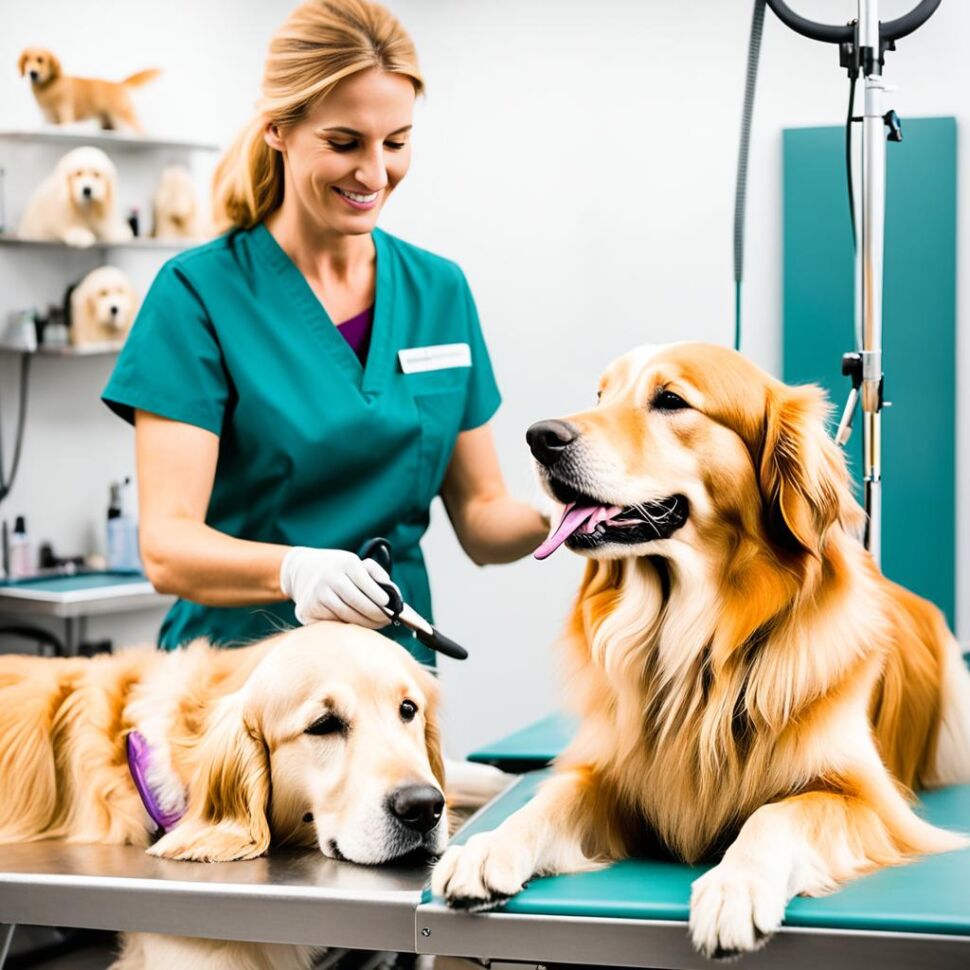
x: 319, y: 44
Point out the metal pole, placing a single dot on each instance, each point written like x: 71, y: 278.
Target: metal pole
x: 869, y: 268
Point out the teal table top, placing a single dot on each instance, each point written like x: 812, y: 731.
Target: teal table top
x: 931, y: 895
x: 532, y: 747
x: 73, y: 584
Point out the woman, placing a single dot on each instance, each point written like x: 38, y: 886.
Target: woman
x: 271, y: 444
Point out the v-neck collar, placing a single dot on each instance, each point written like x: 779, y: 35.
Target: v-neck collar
x: 368, y: 378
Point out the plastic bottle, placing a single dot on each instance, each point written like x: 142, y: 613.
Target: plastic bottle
x: 21, y: 553
x: 122, y: 533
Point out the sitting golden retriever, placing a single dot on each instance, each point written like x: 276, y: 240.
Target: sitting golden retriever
x: 752, y: 689
x: 323, y: 736
x: 176, y: 208
x: 103, y: 308
x: 64, y: 99
x: 76, y: 204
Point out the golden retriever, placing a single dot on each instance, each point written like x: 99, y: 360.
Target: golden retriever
x: 324, y: 736
x: 177, y: 213
x: 103, y: 307
x: 65, y: 99
x: 77, y: 203
x: 751, y: 688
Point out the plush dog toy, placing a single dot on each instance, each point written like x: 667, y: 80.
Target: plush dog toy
x: 64, y: 99
x: 76, y: 204
x: 177, y: 212
x: 102, y: 308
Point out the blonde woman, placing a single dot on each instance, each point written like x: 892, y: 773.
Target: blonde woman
x: 307, y: 381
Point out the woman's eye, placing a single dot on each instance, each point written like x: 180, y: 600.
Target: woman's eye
x: 395, y: 146
x: 342, y: 146
x: 408, y: 710
x: 668, y: 401
x: 328, y: 724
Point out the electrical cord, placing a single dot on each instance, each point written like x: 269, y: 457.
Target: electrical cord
x: 848, y: 159
x: 7, y: 481
x: 741, y: 183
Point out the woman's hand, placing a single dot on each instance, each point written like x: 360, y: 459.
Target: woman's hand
x: 491, y: 525
x: 331, y: 584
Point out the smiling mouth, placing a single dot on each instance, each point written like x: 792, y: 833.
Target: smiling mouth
x: 358, y: 199
x: 589, y: 523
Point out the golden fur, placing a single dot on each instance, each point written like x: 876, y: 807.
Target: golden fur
x: 176, y: 208
x: 228, y: 730
x: 64, y: 99
x: 103, y: 308
x: 751, y: 688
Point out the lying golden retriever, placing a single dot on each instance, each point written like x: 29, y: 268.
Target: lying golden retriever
x: 751, y: 688
x: 64, y: 99
x: 323, y: 736
x: 77, y: 203
x: 103, y: 308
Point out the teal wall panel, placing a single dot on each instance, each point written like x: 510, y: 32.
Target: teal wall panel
x: 919, y: 329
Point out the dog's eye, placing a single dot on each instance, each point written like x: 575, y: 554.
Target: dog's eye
x: 408, y: 710
x: 328, y: 724
x: 668, y: 401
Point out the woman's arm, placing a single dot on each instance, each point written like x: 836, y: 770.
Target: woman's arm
x: 181, y: 554
x: 491, y: 526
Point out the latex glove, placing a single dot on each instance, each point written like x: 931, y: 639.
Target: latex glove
x: 332, y: 584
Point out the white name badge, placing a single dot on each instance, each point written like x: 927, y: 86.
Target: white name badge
x: 414, y: 360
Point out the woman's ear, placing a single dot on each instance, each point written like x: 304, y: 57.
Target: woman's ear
x: 803, y: 477
x: 273, y: 137
x: 226, y: 818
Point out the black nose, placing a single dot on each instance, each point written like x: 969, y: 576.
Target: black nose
x: 86, y: 191
x: 113, y: 310
x: 418, y: 807
x: 549, y: 439
x: 34, y: 75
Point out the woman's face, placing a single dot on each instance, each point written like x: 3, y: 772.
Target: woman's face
x: 350, y: 151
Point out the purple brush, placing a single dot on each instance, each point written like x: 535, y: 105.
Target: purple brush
x: 139, y: 764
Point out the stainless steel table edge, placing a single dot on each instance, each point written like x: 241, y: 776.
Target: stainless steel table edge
x: 88, y: 602
x: 596, y: 941
x: 310, y: 915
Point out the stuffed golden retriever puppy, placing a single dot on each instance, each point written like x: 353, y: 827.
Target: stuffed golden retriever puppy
x: 752, y: 690
x: 77, y: 203
x: 103, y: 308
x: 323, y: 736
x: 177, y: 213
x: 65, y: 99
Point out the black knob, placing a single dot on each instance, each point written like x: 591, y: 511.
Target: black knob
x: 549, y: 439
x: 417, y: 807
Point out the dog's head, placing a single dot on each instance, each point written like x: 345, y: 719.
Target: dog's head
x: 689, y: 444
x: 332, y: 741
x: 88, y: 177
x: 39, y: 65
x: 106, y: 297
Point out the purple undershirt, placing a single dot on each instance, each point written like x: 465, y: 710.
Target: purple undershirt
x: 356, y: 331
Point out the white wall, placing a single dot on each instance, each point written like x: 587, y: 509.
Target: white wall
x: 578, y: 160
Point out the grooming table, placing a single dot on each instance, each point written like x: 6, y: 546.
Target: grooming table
x: 632, y: 914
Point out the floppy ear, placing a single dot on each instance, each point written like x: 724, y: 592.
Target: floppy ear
x: 55, y: 66
x: 432, y: 732
x: 804, y: 481
x: 22, y: 64
x: 228, y: 797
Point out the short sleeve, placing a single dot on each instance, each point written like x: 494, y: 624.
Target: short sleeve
x: 483, y: 398
x: 171, y: 363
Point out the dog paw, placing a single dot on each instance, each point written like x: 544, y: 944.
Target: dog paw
x: 79, y: 236
x: 734, y: 910
x: 481, y: 874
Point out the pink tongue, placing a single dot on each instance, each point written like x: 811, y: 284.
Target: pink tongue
x: 574, y: 518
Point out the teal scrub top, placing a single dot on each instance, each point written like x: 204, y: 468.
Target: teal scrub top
x: 314, y: 448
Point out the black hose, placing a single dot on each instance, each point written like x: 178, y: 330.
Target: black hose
x: 848, y: 159
x: 6, y: 482
x: 741, y: 183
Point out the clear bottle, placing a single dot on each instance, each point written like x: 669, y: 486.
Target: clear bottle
x: 122, y: 532
x: 21, y: 551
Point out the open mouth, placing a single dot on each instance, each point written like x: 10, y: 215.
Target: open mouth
x: 589, y: 523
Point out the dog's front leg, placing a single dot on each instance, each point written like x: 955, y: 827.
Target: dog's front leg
x: 804, y: 845
x: 543, y: 837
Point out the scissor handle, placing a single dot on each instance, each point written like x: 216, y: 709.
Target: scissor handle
x: 378, y: 549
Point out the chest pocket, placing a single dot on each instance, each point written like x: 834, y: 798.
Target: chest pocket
x: 440, y: 399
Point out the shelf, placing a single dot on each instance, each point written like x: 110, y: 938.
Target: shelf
x: 144, y: 243
x: 104, y: 139
x: 92, y: 350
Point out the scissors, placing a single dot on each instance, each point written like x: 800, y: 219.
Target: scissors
x: 400, y: 613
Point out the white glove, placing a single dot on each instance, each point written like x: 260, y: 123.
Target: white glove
x: 331, y: 584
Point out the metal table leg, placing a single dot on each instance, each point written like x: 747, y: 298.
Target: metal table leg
x: 6, y: 937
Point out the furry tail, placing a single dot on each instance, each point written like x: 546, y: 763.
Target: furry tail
x: 141, y: 77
